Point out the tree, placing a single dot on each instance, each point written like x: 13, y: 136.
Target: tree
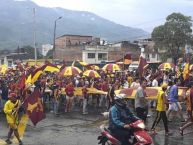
x: 173, y: 35
x: 49, y: 55
x: 30, y: 50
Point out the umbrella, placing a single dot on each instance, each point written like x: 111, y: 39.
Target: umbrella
x: 91, y: 73
x: 3, y: 69
x: 83, y: 63
x: 165, y: 66
x: 70, y: 71
x: 94, y: 67
x: 111, y: 67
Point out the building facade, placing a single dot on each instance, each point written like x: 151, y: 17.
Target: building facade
x: 95, y: 54
x: 72, y: 40
x: 90, y: 49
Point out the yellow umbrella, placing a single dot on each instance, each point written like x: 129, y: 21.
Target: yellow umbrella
x: 91, y: 73
x: 83, y: 63
x: 111, y: 67
x: 70, y: 71
x: 95, y: 67
x: 3, y: 68
x: 165, y: 66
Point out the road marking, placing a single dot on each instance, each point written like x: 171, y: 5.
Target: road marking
x: 21, y: 130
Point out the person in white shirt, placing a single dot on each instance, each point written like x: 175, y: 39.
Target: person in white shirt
x: 165, y: 78
x: 135, y: 84
x: 154, y: 84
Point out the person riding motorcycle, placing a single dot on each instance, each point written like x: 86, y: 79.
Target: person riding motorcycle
x: 120, y: 117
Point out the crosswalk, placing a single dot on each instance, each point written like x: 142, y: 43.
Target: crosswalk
x: 21, y: 130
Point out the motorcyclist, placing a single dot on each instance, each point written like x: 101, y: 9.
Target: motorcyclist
x: 120, y: 117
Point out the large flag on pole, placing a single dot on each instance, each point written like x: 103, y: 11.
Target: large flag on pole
x: 142, y: 65
x: 34, y: 107
x: 127, y: 59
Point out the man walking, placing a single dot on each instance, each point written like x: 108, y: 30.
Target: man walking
x: 161, y: 110
x: 174, y: 104
x: 11, y: 110
x: 141, y: 104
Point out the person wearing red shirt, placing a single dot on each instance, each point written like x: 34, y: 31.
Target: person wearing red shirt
x: 69, y: 96
x: 189, y: 106
x: 85, y: 99
x: 103, y: 98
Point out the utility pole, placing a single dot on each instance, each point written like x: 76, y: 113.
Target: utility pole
x: 54, y: 38
x: 34, y: 35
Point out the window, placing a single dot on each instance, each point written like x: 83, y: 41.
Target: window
x: 153, y: 55
x: 102, y: 56
x: 91, y: 55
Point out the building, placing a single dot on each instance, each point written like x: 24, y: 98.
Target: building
x: 90, y: 49
x: 69, y: 47
x: 120, y: 49
x: 72, y: 40
x: 148, y: 50
x: 46, y: 48
x: 95, y: 54
x: 10, y: 59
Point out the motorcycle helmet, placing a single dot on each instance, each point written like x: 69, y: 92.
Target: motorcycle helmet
x: 120, y: 100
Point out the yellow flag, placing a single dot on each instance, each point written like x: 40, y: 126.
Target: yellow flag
x: 186, y: 71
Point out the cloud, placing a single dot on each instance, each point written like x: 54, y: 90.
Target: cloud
x: 145, y: 14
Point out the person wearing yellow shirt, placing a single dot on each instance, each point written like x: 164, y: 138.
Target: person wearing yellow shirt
x: 130, y: 79
x: 11, y: 110
x: 161, y: 110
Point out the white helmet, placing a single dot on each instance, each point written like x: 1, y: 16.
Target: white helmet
x: 120, y: 96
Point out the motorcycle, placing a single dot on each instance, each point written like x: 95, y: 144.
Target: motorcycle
x: 139, y: 136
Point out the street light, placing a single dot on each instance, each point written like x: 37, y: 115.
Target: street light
x: 55, y: 37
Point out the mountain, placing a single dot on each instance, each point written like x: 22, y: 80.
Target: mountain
x: 17, y: 25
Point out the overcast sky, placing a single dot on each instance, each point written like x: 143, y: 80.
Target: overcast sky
x: 145, y: 14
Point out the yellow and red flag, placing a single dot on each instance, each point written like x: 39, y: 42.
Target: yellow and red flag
x: 51, y: 67
x: 34, y: 107
x: 37, y: 72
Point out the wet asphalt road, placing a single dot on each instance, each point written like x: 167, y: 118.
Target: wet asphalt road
x: 78, y: 129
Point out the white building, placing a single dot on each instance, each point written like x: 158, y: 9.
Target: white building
x: 148, y: 51
x: 95, y: 54
x: 46, y: 48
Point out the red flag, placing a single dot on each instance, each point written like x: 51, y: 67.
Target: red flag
x: 127, y: 59
x: 34, y: 107
x: 20, y: 67
x: 21, y: 83
x: 63, y: 66
x: 142, y: 65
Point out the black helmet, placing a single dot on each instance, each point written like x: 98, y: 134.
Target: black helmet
x: 120, y: 100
